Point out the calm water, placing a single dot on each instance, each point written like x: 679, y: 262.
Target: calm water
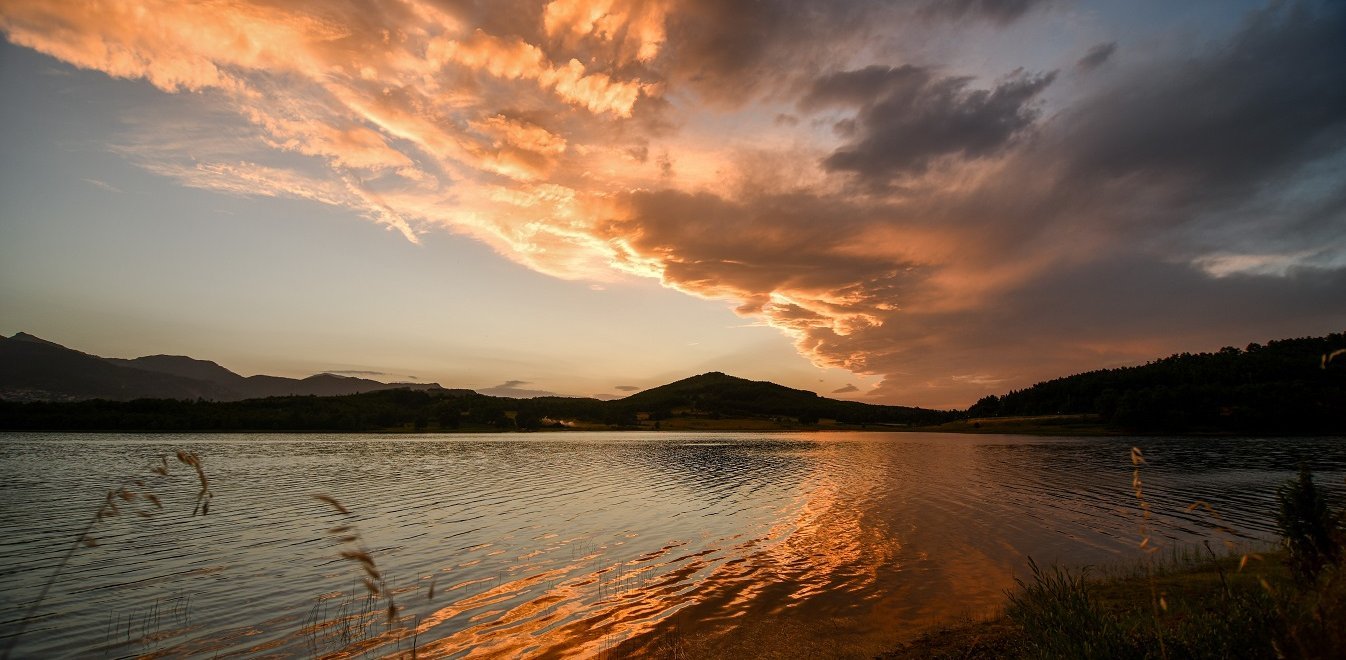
x: 579, y: 544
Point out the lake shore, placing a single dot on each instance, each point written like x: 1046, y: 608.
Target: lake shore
x: 1126, y: 592
x: 1240, y: 605
x: 1042, y: 425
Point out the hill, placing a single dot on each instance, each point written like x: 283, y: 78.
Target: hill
x: 1284, y: 386
x: 34, y: 369
x: 719, y: 394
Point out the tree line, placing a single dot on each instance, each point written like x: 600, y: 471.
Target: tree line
x: 1286, y: 386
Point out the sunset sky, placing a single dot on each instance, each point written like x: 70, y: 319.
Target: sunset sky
x: 917, y: 202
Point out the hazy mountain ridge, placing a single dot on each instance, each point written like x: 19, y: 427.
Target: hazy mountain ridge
x: 34, y: 369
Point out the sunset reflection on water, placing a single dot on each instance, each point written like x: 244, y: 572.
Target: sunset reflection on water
x: 575, y: 545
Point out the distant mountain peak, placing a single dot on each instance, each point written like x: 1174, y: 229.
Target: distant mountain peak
x: 32, y: 368
x: 23, y: 336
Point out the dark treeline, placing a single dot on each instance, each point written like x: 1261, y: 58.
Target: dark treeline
x: 712, y: 396
x: 1286, y: 386
x: 371, y: 411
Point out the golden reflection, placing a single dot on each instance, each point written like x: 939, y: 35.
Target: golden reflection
x: 868, y: 552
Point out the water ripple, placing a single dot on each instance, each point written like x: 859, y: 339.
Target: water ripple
x: 569, y: 545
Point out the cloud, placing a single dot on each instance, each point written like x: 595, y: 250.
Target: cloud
x: 512, y: 389
x: 997, y: 11
x: 1096, y: 57
x: 635, y: 31
x: 102, y: 185
x: 909, y: 116
x: 626, y: 388
x: 732, y: 52
x: 846, y: 390
x: 359, y: 373
x: 412, y: 115
x: 1075, y: 242
x: 954, y: 233
x: 1204, y: 122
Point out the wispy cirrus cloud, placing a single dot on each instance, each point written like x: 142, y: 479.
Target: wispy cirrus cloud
x: 102, y: 185
x: 513, y: 389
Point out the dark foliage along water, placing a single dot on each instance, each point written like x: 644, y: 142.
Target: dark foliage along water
x: 1286, y: 386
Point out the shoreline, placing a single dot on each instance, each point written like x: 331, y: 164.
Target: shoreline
x: 952, y: 428
x: 1187, y: 587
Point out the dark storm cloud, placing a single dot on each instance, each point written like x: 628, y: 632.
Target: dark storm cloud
x: 730, y: 51
x: 909, y: 116
x: 846, y: 390
x: 1100, y: 314
x: 626, y: 388
x: 1269, y: 100
x: 733, y: 50
x: 1096, y: 56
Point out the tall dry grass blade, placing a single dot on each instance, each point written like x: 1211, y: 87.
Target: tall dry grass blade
x: 1157, y: 601
x: 85, y: 538
x: 374, y: 580
x: 334, y: 504
x: 1328, y: 357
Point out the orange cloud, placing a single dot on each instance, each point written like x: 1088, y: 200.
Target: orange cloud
x: 516, y: 59
x: 518, y: 149
x: 636, y: 28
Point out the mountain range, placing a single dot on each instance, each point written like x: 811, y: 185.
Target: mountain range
x: 34, y: 369
x: 1288, y: 386
x: 46, y: 385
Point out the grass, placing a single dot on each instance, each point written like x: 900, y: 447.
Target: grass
x: 134, y: 496
x: 1286, y: 603
x: 1211, y: 610
x: 353, y: 549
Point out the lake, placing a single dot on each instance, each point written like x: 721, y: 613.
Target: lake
x: 576, y: 544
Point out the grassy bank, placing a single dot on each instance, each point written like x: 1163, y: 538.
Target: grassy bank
x: 1054, y: 613
x: 1289, y: 603
x: 1211, y: 610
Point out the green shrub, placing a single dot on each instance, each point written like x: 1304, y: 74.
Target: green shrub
x: 1312, y: 536
x: 1061, y: 618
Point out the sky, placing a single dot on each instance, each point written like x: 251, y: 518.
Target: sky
x: 917, y: 202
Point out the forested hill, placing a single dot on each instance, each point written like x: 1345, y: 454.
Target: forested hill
x: 716, y: 393
x: 1285, y: 386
